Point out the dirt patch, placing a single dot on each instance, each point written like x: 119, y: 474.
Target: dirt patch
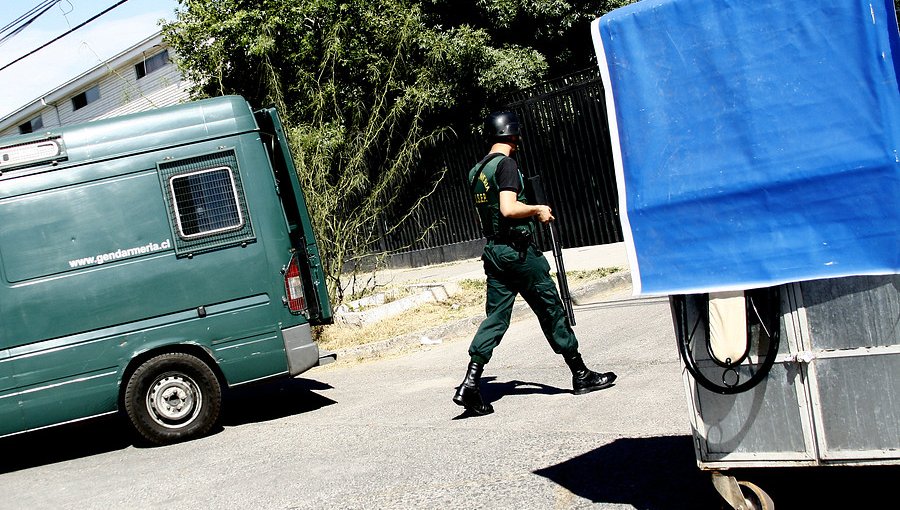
x: 467, y: 303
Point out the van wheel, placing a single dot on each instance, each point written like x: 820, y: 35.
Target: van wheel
x: 173, y: 397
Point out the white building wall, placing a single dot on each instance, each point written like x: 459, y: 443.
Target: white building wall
x: 121, y: 91
x: 163, y: 87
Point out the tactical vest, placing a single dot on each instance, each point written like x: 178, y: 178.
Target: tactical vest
x: 486, y: 195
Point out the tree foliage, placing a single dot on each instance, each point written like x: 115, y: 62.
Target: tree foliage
x: 365, y: 86
x: 556, y: 29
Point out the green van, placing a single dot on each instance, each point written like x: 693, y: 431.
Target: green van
x: 149, y: 261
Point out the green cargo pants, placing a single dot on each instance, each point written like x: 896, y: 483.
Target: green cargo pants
x: 511, y: 272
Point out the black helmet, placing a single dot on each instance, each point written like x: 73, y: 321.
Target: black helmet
x: 500, y: 126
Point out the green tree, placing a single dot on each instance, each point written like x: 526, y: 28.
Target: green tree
x: 365, y: 86
x: 555, y: 29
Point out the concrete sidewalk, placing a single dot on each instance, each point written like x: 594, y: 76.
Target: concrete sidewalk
x: 576, y: 259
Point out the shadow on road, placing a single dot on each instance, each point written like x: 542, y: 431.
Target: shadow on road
x: 273, y: 400
x: 242, y: 405
x: 492, y: 391
x: 652, y: 473
x: 66, y: 442
x: 826, y: 486
x: 660, y: 473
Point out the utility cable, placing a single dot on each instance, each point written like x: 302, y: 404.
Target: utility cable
x: 32, y: 52
x: 21, y: 23
x: 42, y: 5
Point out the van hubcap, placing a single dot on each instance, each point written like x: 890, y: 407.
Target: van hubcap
x: 174, y: 401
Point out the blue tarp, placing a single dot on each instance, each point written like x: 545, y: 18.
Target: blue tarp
x: 756, y: 142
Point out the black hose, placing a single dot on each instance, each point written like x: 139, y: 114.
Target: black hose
x: 684, y: 339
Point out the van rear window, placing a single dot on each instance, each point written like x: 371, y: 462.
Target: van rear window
x: 206, y: 202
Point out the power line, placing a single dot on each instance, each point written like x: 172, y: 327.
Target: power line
x: 32, y: 52
x: 43, y: 5
x: 22, y: 22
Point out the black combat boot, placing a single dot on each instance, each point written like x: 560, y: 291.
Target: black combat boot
x: 584, y: 380
x: 468, y: 395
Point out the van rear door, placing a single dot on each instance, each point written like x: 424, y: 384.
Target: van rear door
x: 293, y: 201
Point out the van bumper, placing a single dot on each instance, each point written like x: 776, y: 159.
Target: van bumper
x: 302, y: 352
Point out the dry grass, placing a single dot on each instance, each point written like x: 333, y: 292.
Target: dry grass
x: 468, y: 302
x: 578, y: 278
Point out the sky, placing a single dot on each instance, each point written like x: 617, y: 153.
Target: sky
x: 83, y: 49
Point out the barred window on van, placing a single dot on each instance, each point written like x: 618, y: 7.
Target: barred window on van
x: 206, y: 202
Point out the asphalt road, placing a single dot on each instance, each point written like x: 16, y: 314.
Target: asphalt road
x: 385, y: 434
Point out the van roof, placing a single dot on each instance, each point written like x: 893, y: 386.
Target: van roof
x: 172, y: 125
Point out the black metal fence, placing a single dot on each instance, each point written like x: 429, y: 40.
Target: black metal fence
x: 565, y: 141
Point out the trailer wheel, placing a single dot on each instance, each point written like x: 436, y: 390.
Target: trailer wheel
x: 756, y: 497
x: 173, y: 397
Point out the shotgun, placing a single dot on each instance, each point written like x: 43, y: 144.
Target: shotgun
x: 538, y: 197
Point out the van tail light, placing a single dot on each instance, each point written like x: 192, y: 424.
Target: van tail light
x: 293, y: 287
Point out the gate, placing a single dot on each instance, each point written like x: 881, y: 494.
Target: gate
x: 566, y: 142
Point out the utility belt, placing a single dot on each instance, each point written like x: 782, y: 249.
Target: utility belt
x: 519, y: 240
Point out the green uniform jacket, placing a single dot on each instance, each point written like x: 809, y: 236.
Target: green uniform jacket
x: 486, y: 195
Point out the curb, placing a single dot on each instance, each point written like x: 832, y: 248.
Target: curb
x: 583, y: 295
x: 430, y: 292
x: 594, y: 291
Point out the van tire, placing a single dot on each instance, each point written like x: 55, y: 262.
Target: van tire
x: 173, y: 397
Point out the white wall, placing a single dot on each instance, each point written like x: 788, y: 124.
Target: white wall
x: 121, y: 92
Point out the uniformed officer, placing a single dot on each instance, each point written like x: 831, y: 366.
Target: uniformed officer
x: 513, y: 265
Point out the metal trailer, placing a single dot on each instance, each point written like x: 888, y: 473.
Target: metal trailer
x: 755, y: 145
x: 820, y: 384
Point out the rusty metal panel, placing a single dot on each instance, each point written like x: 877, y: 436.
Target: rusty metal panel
x: 845, y: 313
x: 765, y: 419
x: 859, y: 398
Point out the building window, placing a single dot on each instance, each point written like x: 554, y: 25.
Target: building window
x: 85, y: 98
x: 148, y: 65
x: 32, y: 125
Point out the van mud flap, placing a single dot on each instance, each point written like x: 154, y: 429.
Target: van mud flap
x: 302, y: 351
x: 326, y: 357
